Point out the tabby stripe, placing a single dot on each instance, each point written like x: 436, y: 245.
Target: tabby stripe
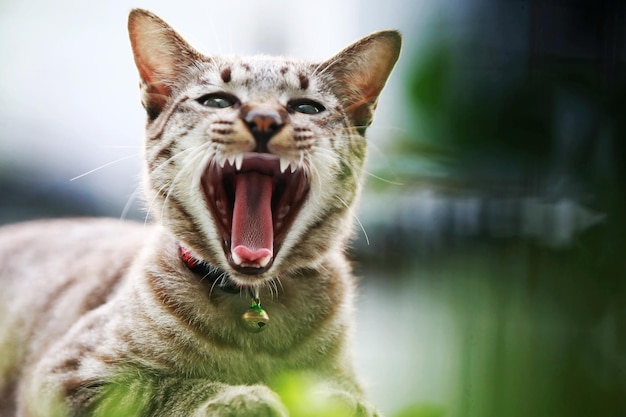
x: 221, y: 141
x: 161, y: 286
x: 191, y: 231
x: 160, y: 128
x: 322, y: 228
x: 222, y: 131
x: 226, y: 75
x: 304, y: 81
x: 164, y: 154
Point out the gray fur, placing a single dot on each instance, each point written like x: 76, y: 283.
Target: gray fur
x: 100, y: 313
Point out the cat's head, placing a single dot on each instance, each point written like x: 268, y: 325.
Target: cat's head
x: 254, y: 163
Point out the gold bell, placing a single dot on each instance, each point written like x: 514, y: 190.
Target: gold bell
x: 255, y: 318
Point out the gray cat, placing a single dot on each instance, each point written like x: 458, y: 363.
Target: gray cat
x: 252, y: 169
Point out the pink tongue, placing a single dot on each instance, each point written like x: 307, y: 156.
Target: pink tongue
x: 252, y: 235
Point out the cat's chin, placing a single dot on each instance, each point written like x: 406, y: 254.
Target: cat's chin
x: 218, y: 278
x: 253, y: 198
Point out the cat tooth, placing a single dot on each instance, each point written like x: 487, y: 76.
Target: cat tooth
x: 264, y: 261
x: 284, y: 163
x: 283, y: 212
x: 293, y: 167
x: 239, y: 161
x: 236, y: 259
x: 222, y: 162
x: 231, y: 159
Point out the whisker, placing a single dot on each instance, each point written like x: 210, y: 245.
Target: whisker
x: 273, y: 282
x: 379, y: 178
x: 207, y: 161
x: 318, y: 73
x: 120, y: 147
x: 177, y: 178
x: 367, y: 240
x: 269, y: 288
x: 104, y: 166
x: 189, y: 159
x: 130, y: 202
x: 152, y: 202
x: 277, y: 278
x: 180, y: 154
x: 388, y: 127
x: 220, y: 279
x: 325, y: 153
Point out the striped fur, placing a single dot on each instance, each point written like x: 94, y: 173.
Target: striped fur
x: 97, y: 315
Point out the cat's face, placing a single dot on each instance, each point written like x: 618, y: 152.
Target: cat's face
x: 254, y: 163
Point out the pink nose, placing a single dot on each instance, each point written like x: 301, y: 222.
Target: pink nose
x: 263, y: 120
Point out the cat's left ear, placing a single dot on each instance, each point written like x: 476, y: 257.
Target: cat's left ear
x: 360, y: 72
x: 161, y: 56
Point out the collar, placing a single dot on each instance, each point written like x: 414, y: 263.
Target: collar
x: 208, y: 272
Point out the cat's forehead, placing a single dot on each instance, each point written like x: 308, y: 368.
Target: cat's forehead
x: 264, y: 72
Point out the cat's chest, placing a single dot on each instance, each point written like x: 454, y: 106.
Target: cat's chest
x: 168, y: 319
x: 164, y: 344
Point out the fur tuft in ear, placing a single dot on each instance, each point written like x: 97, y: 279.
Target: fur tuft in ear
x: 161, y: 56
x: 360, y: 72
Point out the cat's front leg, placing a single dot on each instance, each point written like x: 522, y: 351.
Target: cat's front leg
x: 138, y: 394
x: 240, y: 400
x: 159, y: 396
x: 353, y: 406
x: 261, y: 401
x: 345, y: 400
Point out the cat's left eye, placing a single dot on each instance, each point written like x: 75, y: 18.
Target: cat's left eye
x: 306, y: 106
x: 217, y: 101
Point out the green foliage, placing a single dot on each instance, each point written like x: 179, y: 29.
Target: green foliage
x: 300, y: 393
x: 422, y: 410
x: 118, y: 400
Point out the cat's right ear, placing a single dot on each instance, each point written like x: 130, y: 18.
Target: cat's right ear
x: 161, y: 56
x: 359, y: 73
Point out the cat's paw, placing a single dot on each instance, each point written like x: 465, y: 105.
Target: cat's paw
x: 345, y: 404
x: 249, y: 401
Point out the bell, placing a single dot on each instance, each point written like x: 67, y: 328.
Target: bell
x: 255, y: 318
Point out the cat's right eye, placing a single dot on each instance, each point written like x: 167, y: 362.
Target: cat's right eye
x: 305, y: 106
x: 217, y: 100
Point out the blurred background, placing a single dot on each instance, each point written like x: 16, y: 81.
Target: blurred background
x: 492, y: 251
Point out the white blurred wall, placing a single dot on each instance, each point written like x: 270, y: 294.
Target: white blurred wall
x: 69, y: 99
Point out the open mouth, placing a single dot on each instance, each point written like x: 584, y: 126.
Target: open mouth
x: 254, y: 199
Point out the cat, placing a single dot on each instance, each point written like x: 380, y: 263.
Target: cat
x: 252, y: 169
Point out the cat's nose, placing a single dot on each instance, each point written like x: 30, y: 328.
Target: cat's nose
x: 263, y: 122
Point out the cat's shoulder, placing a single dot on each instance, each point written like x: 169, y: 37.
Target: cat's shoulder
x: 77, y: 226
x: 65, y: 238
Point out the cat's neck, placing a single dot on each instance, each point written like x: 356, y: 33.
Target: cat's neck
x: 295, y: 302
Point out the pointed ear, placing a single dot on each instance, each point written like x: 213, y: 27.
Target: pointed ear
x: 161, y: 56
x: 360, y: 71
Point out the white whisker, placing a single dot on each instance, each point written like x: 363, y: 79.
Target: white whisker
x: 219, y: 281
x: 277, y: 278
x: 152, y: 202
x: 390, y: 182
x: 367, y: 240
x: 104, y: 166
x: 120, y: 147
x: 130, y: 202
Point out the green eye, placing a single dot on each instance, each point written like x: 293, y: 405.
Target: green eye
x: 217, y: 101
x: 306, y: 106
